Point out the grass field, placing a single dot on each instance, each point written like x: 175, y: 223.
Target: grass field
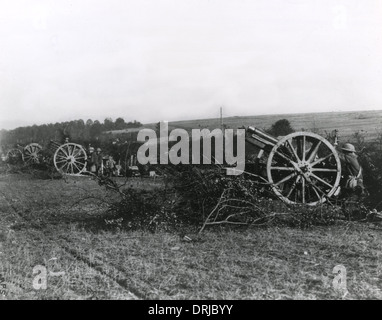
x: 58, y: 224
x: 347, y: 123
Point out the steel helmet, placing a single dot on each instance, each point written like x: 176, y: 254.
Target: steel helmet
x: 348, y: 147
x: 91, y: 149
x: 98, y: 149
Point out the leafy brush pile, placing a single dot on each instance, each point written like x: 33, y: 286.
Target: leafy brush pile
x: 371, y: 162
x: 305, y: 217
x: 145, y: 210
x: 217, y: 198
x: 200, y: 197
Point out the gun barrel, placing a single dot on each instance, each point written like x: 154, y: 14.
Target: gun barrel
x: 260, y: 138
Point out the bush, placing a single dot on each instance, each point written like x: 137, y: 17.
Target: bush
x: 147, y: 210
x: 371, y: 162
x: 281, y: 128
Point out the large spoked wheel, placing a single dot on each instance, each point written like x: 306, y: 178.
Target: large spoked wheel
x: 14, y: 156
x: 70, y: 159
x: 304, y: 168
x: 32, y: 153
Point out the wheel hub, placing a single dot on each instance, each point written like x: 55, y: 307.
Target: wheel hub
x: 70, y: 159
x: 305, y: 168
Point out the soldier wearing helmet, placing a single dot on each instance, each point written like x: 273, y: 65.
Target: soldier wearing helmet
x: 352, y: 169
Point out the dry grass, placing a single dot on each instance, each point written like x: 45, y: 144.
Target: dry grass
x: 346, y: 122
x: 38, y: 221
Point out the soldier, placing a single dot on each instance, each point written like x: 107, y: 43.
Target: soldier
x: 91, y: 165
x: 353, y: 171
x: 97, y: 160
x: 110, y: 167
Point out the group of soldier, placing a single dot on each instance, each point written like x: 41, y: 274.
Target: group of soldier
x: 95, y: 163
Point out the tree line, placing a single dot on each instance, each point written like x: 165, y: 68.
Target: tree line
x: 77, y: 131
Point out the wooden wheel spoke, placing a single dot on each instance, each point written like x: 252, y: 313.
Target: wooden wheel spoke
x: 79, y: 156
x: 70, y: 150
x: 76, y: 152
x: 283, y: 168
x: 74, y: 149
x: 288, y: 177
x: 314, y: 151
x: 64, y: 152
x: 62, y: 157
x: 315, y: 191
x: 82, y: 164
x: 303, y: 190
x: 321, y: 180
x: 59, y: 161
x: 79, y: 170
x: 68, y: 168
x: 321, y: 159
x: 283, y: 156
x: 63, y: 166
x: 303, y: 147
x: 293, y: 186
x: 293, y: 150
x: 66, y: 164
x: 324, y: 170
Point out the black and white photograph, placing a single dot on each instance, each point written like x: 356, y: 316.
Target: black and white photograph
x: 190, y: 154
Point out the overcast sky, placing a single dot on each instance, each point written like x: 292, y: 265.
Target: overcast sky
x: 152, y: 60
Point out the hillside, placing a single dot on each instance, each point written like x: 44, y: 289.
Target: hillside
x: 345, y: 122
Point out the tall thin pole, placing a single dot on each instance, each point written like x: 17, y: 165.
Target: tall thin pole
x: 221, y: 118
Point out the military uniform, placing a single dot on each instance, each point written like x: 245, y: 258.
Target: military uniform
x: 96, y: 159
x: 354, y: 186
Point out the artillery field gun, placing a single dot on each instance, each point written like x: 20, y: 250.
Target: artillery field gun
x: 302, y: 167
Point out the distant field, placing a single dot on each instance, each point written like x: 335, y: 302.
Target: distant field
x: 345, y: 122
